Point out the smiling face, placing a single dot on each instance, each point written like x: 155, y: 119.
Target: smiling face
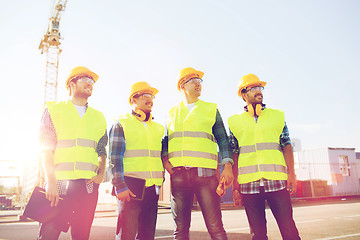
x: 81, y: 87
x: 253, y: 95
x: 143, y: 102
x: 192, y: 88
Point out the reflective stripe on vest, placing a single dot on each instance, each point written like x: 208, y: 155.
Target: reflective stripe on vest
x: 262, y: 167
x: 192, y: 134
x: 145, y: 174
x: 191, y: 141
x: 260, y: 152
x: 69, y: 166
x: 75, y: 156
x: 143, y: 150
x: 142, y: 153
x: 259, y: 147
x: 68, y: 143
x: 186, y: 153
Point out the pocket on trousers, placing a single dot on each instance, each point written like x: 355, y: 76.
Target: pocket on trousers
x: 92, y: 187
x: 176, y: 172
x: 178, y: 178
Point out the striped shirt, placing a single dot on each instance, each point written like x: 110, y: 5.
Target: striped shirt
x: 222, y: 140
x: 269, y: 185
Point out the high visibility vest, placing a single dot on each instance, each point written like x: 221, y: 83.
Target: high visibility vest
x: 75, y: 155
x: 191, y: 141
x: 143, y: 149
x: 260, y: 153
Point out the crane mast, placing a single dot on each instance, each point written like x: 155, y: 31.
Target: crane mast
x: 51, y: 45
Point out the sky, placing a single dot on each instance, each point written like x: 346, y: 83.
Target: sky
x: 307, y: 51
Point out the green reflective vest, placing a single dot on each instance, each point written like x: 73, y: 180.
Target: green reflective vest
x: 191, y: 141
x: 143, y: 149
x: 75, y: 156
x: 260, y: 154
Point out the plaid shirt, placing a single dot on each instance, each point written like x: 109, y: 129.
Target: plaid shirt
x: 48, y: 141
x: 222, y: 140
x: 117, y: 148
x: 269, y: 185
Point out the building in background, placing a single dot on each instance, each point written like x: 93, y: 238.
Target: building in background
x: 10, y: 184
x: 327, y: 172
x: 358, y: 164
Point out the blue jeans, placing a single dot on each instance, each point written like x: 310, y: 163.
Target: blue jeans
x: 280, y: 205
x: 186, y: 183
x: 137, y: 218
x: 78, y: 210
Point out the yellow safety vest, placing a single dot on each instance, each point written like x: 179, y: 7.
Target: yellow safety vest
x: 143, y: 149
x: 191, y: 141
x: 260, y: 153
x: 75, y: 155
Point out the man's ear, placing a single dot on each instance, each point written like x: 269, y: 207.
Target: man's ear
x: 244, y: 96
x: 71, y: 85
x: 182, y: 88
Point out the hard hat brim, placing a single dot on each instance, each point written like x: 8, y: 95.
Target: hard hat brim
x: 151, y: 90
x: 81, y: 71
x: 261, y: 83
x: 183, y: 79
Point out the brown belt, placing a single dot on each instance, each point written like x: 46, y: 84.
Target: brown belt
x: 182, y: 168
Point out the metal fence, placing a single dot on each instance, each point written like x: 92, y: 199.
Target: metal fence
x: 327, y: 179
x: 321, y: 180
x: 314, y: 180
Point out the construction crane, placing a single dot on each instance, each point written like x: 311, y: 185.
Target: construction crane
x: 51, y: 45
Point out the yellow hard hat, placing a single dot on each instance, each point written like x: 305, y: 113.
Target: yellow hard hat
x: 186, y: 74
x: 81, y: 71
x: 142, y: 87
x: 249, y: 80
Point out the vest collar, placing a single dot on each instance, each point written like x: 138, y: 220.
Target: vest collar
x: 86, y: 105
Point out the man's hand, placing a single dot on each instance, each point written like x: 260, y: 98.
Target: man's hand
x: 96, y: 179
x: 52, y: 194
x: 125, y: 196
x: 220, y: 190
x: 228, y: 175
x: 291, y: 183
x: 167, y: 165
x: 238, y: 201
x: 289, y: 160
x: 101, y: 171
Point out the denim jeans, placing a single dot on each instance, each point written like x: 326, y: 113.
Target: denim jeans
x: 184, y: 185
x: 280, y: 205
x: 78, y: 210
x: 137, y: 218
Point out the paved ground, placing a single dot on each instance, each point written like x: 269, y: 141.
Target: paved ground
x: 316, y: 220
